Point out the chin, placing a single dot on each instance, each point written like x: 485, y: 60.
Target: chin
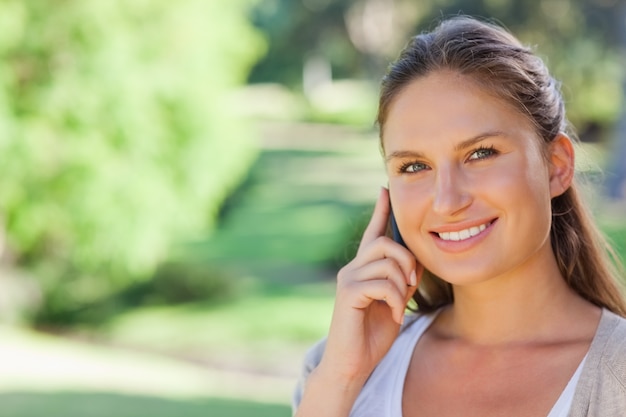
x: 463, y: 276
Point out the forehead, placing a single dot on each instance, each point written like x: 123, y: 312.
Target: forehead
x: 446, y: 106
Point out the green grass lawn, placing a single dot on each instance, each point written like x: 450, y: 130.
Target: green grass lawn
x: 238, y: 358
x: 264, y: 330
x: 94, y: 404
x: 53, y: 376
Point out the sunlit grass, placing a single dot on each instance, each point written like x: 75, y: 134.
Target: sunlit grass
x: 99, y: 404
x: 37, y: 363
x: 56, y: 377
x: 266, y: 332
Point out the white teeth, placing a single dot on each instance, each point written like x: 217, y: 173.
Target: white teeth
x: 463, y: 234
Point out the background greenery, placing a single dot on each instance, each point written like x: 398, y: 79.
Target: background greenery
x: 181, y: 181
x: 117, y: 137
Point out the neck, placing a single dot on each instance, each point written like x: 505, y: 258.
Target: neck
x: 533, y: 306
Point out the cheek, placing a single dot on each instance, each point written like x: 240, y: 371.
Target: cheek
x: 520, y: 176
x: 409, y: 202
x: 521, y: 190
x: 533, y: 181
x: 403, y: 193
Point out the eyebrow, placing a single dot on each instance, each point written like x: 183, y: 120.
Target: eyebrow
x: 478, y: 138
x: 468, y: 143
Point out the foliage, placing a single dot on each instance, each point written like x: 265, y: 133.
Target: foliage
x: 357, y: 38
x: 298, y: 29
x: 117, y: 135
x: 182, y: 281
x: 576, y: 40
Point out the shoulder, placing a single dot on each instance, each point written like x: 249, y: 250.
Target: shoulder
x: 614, y: 357
x: 607, y: 353
x: 601, y: 389
x: 611, y: 342
x: 313, y: 356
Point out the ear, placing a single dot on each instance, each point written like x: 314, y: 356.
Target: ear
x: 562, y: 164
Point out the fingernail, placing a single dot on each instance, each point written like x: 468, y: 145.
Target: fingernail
x: 413, y: 278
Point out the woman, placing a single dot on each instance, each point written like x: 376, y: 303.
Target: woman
x: 518, y: 312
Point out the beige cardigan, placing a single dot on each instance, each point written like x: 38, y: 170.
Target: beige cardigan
x: 601, y: 389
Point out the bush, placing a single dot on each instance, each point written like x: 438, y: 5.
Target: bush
x: 117, y: 135
x: 178, y: 282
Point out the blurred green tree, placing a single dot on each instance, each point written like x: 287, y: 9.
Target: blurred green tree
x: 117, y: 135
x: 357, y: 38
x: 299, y: 30
x: 577, y: 39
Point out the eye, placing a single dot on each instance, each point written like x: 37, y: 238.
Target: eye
x: 412, y: 167
x: 482, y: 153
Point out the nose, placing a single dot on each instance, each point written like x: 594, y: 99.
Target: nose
x: 451, y: 194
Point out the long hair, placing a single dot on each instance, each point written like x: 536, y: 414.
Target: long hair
x: 498, y: 62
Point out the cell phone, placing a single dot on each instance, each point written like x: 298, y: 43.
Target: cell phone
x: 395, y: 232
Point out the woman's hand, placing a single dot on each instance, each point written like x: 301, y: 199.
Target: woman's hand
x: 372, y: 294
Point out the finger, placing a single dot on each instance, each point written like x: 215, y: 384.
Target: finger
x: 377, y: 225
x: 412, y: 289
x: 415, y: 279
x: 382, y: 248
x: 380, y: 290
x: 381, y: 269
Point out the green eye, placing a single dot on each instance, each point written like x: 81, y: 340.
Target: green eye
x: 483, y: 153
x: 413, y: 167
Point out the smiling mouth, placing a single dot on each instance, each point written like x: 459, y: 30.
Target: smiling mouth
x: 465, y: 233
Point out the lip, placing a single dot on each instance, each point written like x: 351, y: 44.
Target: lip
x: 455, y: 246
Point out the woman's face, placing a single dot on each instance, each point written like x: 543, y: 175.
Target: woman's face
x: 469, y: 184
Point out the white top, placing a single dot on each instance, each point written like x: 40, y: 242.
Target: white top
x: 564, y: 403
x: 600, y: 388
x: 382, y: 394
